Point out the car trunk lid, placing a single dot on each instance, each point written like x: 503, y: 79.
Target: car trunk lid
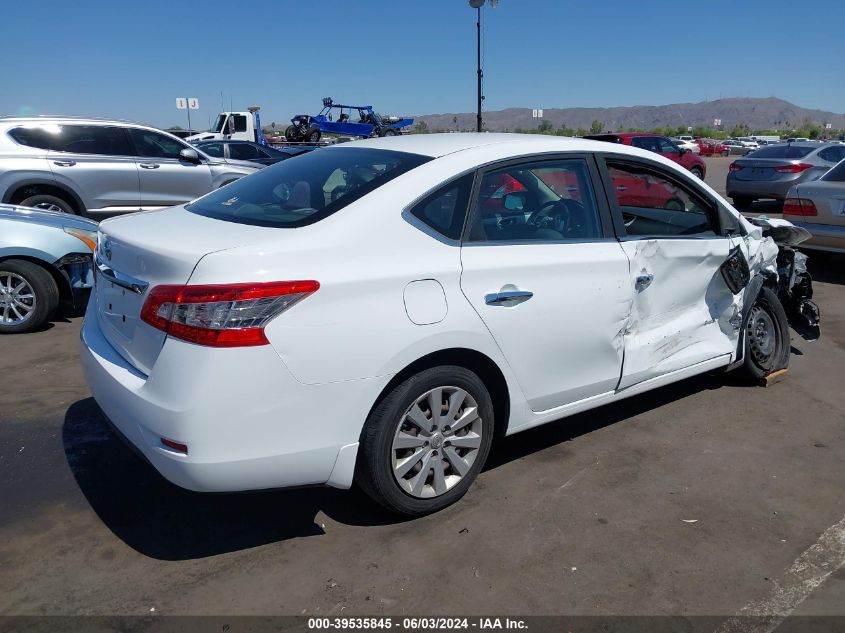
x: 761, y: 169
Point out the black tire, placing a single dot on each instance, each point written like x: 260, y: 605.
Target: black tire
x: 291, y: 133
x: 769, y: 352
x: 50, y: 203
x: 742, y: 202
x: 388, y: 131
x: 374, y: 469
x: 696, y: 171
x: 45, y: 291
x: 726, y: 153
x: 313, y: 135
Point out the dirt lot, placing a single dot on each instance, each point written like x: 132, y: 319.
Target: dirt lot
x: 705, y: 497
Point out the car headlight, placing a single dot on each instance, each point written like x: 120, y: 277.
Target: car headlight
x: 89, y: 237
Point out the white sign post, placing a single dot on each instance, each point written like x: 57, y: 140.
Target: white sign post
x: 187, y: 103
x: 717, y: 122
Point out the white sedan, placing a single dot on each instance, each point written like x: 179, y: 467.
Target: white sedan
x: 687, y: 144
x: 378, y: 311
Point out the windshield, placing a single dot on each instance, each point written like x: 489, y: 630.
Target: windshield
x: 299, y: 192
x: 781, y: 151
x: 218, y: 125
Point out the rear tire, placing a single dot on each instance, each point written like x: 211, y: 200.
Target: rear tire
x: 411, y: 459
x: 314, y: 135
x: 742, y: 202
x: 696, y: 171
x: 767, y: 340
x: 726, y: 153
x: 28, y: 296
x: 47, y: 203
x: 291, y: 133
x: 388, y: 131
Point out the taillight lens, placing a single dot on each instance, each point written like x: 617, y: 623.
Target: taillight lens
x: 735, y: 167
x: 799, y: 206
x: 793, y: 169
x: 229, y: 315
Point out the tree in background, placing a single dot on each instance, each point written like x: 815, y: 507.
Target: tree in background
x: 596, y: 127
x: 421, y: 127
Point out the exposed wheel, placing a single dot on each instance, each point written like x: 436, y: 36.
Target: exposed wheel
x: 767, y: 340
x: 388, y: 131
x: 742, y: 202
x: 28, y: 296
x: 426, y: 441
x: 313, y: 135
x: 47, y: 203
x: 726, y: 153
x: 696, y: 171
x: 291, y: 133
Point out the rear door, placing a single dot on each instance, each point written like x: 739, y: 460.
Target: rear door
x: 682, y: 308
x: 97, y: 161
x: 542, y: 270
x: 165, y: 178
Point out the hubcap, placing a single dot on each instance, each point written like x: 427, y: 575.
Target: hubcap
x: 436, y: 442
x: 17, y: 299
x: 761, y: 331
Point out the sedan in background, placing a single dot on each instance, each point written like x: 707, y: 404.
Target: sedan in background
x: 819, y: 207
x: 378, y: 311
x: 249, y: 151
x: 45, y: 259
x: 735, y: 148
x: 710, y: 147
x: 689, y: 145
x: 770, y: 171
x: 659, y: 145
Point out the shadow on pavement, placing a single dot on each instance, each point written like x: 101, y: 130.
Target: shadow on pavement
x: 827, y: 267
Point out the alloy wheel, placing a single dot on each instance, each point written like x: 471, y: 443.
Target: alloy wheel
x: 436, y: 442
x: 17, y: 299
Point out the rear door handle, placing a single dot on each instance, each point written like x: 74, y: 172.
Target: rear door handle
x: 513, y: 297
x: 64, y: 163
x: 643, y: 282
x: 149, y: 165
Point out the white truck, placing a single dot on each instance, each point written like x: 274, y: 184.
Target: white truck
x: 236, y: 126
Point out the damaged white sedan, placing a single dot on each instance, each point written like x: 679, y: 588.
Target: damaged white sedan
x: 379, y: 311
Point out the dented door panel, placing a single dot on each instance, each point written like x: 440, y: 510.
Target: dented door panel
x: 686, y: 314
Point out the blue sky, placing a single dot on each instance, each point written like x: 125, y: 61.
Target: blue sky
x: 131, y: 59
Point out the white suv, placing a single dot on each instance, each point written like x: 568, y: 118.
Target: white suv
x: 93, y: 166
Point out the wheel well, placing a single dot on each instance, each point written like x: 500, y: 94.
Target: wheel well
x: 25, y: 191
x: 65, y: 292
x: 476, y: 362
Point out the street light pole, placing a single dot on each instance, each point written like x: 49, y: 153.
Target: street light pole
x: 478, y: 42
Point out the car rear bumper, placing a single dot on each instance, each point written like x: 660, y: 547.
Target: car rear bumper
x: 247, y: 423
x: 826, y: 237
x: 776, y: 189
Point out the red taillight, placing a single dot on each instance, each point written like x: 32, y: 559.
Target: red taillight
x: 793, y: 169
x: 230, y: 315
x: 799, y: 206
x: 735, y: 167
x: 176, y: 446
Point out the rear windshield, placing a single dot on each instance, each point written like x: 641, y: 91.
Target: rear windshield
x: 304, y: 191
x: 836, y: 174
x: 781, y: 151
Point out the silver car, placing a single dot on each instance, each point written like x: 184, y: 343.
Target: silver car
x: 770, y: 171
x: 45, y: 258
x: 95, y: 167
x: 819, y: 207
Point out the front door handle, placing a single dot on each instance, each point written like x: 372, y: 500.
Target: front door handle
x: 149, y: 165
x: 643, y: 282
x: 64, y: 163
x: 511, y: 297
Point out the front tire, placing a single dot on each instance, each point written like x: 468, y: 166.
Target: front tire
x: 426, y: 441
x: 767, y: 339
x: 697, y: 173
x: 47, y: 203
x: 28, y: 296
x: 314, y: 135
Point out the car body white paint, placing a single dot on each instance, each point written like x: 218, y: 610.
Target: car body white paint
x: 291, y: 413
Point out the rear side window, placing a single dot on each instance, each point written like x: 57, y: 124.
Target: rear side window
x: 833, y: 154
x: 76, y: 139
x: 783, y: 151
x: 836, y: 174
x: 304, y: 191
x: 655, y: 205
x: 445, y: 209
x: 243, y: 151
x: 650, y: 143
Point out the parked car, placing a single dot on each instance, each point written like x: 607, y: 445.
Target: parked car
x: 659, y: 145
x: 819, y: 207
x: 380, y: 309
x: 689, y: 145
x: 709, y: 147
x: 249, y: 151
x: 797, y: 139
x: 94, y: 167
x: 45, y: 260
x: 770, y: 171
x: 748, y: 142
x: 735, y: 148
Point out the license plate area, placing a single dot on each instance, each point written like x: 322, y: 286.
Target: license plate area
x: 119, y: 307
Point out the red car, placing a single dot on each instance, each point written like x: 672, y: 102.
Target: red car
x: 660, y: 145
x: 709, y: 147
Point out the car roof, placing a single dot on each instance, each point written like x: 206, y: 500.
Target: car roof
x: 49, y: 118
x: 436, y: 145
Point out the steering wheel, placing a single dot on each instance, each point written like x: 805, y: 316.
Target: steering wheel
x: 553, y: 214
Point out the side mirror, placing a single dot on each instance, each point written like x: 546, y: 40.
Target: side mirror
x: 189, y: 155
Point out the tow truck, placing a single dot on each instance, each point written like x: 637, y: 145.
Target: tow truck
x: 234, y: 126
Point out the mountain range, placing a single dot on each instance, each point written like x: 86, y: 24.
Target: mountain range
x: 756, y: 113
